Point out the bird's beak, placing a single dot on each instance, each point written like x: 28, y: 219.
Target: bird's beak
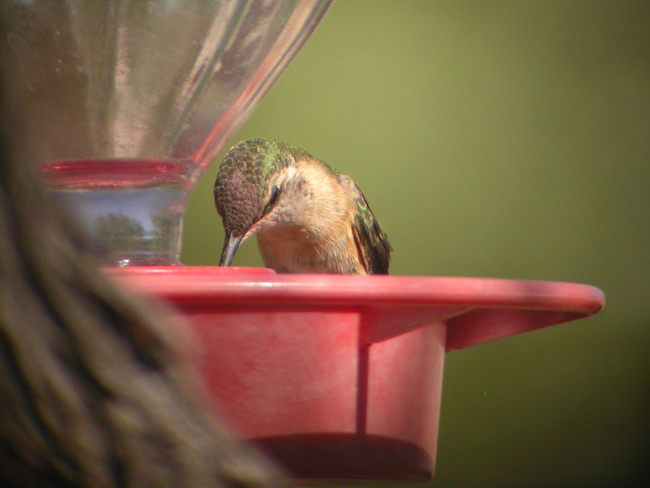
x: 229, y: 249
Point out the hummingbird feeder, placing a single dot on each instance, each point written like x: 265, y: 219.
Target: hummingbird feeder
x: 336, y: 377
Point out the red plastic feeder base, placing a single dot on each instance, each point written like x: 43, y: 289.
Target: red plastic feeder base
x: 338, y: 377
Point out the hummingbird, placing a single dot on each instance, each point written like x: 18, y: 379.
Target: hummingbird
x: 307, y: 217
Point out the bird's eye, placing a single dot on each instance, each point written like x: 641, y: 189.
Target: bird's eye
x: 275, y: 193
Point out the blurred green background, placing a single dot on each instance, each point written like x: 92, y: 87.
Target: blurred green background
x: 501, y: 139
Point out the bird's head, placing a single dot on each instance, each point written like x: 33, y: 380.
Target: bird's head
x: 244, y: 191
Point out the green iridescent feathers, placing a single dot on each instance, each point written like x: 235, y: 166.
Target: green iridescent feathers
x: 243, y: 195
x: 369, y: 235
x: 242, y: 182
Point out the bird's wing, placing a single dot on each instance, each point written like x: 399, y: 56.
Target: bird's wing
x: 369, y: 236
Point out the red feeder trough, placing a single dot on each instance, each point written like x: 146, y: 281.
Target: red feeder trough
x: 339, y: 376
